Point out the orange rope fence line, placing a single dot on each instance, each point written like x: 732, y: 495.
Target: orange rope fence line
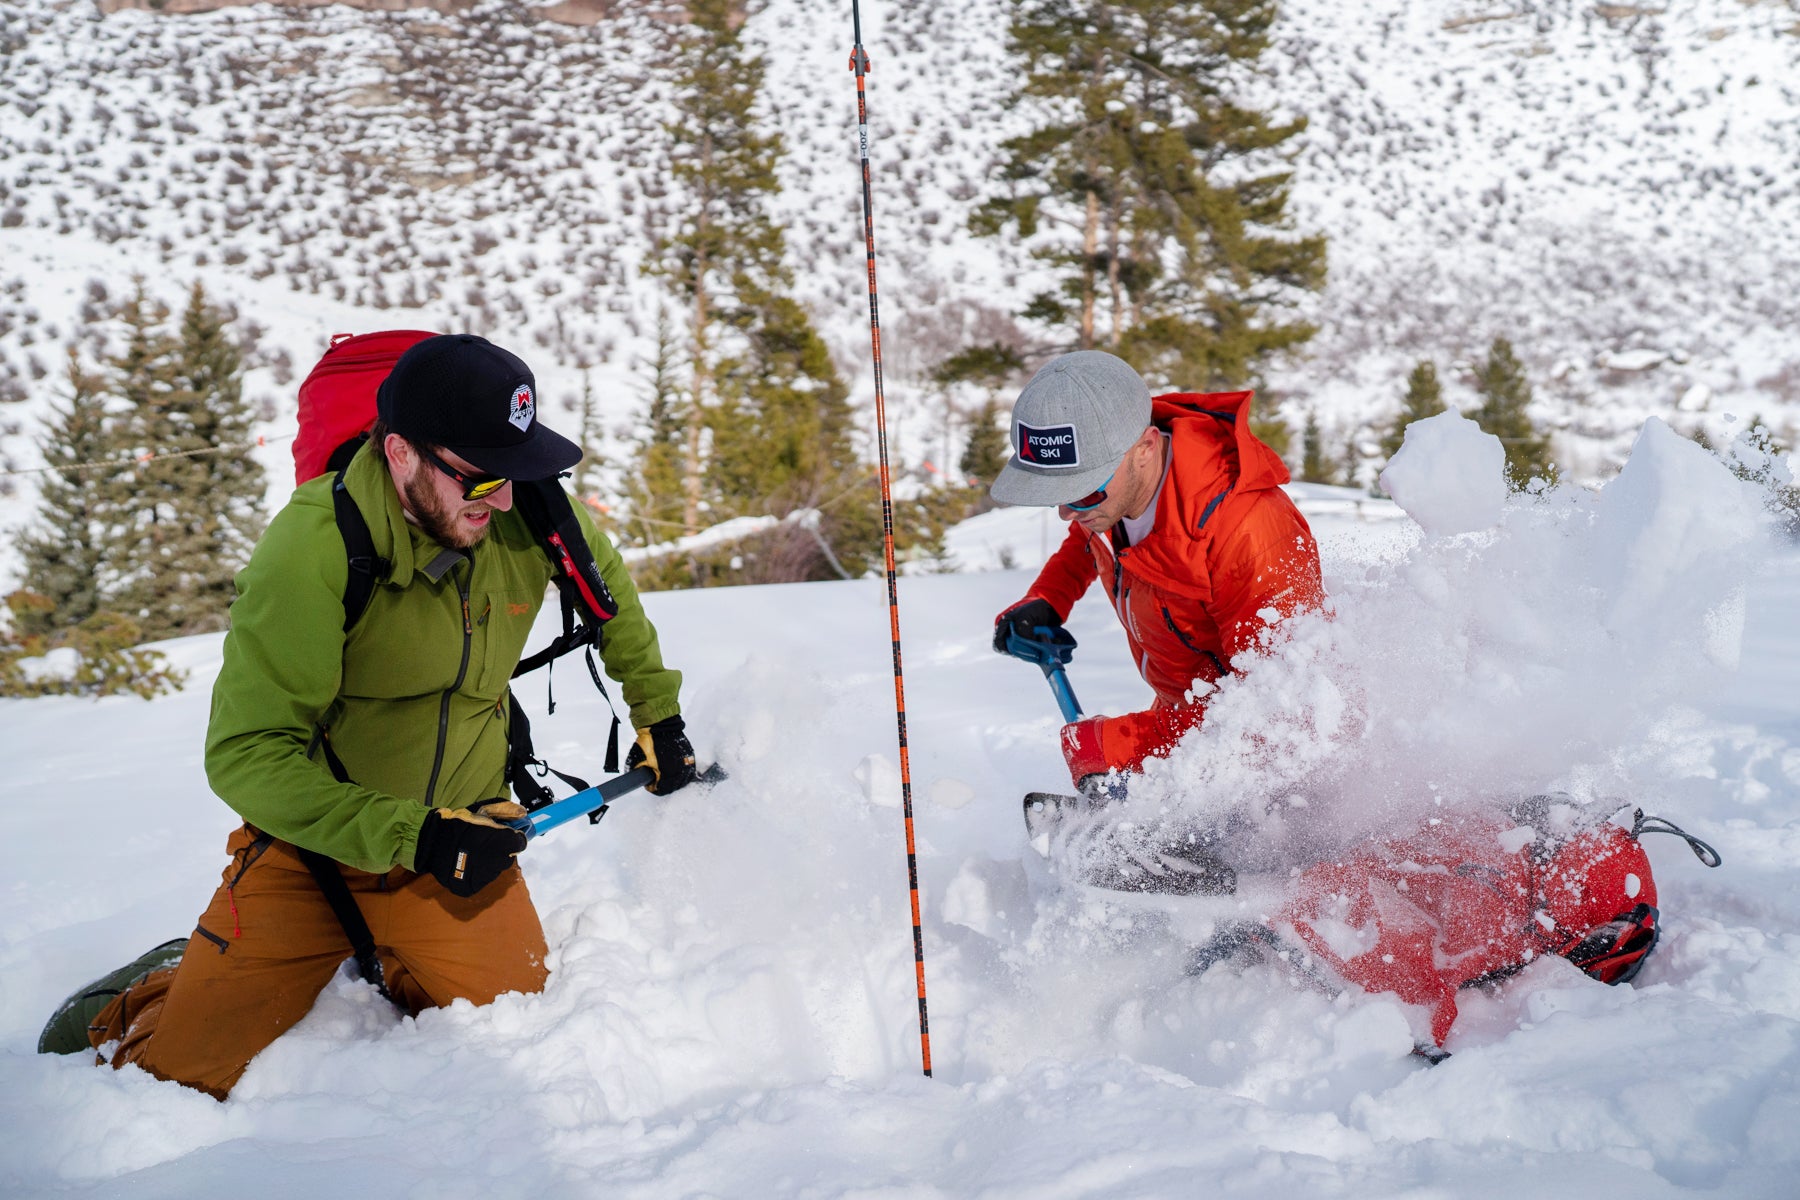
x: 149, y: 457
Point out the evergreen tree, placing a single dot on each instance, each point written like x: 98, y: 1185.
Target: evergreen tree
x: 723, y: 237
x: 654, y: 487
x: 782, y: 432
x: 67, y: 551
x: 767, y: 423
x: 209, y: 373
x: 1269, y: 426
x: 1424, y: 398
x: 1166, y: 200
x: 1506, y: 395
x: 988, y: 447
x: 83, y: 526
x: 1315, y: 464
x: 587, y: 414
x: 195, y: 490
x: 989, y: 366
x: 1352, y: 461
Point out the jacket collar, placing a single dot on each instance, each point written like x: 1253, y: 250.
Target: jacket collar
x: 372, y: 487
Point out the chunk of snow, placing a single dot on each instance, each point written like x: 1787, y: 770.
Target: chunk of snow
x: 1449, y: 476
x: 1514, y: 840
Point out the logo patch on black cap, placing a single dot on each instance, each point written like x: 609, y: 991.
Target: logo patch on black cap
x: 1053, y: 446
x: 523, y: 409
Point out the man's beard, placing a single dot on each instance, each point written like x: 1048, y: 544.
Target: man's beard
x: 436, y: 520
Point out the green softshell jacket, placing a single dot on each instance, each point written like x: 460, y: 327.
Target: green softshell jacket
x: 413, y: 698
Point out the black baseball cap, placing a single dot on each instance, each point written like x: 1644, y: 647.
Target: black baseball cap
x: 479, y: 402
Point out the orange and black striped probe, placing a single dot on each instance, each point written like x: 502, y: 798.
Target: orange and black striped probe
x: 859, y: 63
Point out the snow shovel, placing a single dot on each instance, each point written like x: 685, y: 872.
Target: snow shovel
x: 1050, y: 650
x: 592, y: 802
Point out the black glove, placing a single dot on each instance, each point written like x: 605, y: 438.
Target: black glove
x: 664, y: 748
x: 1023, y: 619
x: 465, y: 851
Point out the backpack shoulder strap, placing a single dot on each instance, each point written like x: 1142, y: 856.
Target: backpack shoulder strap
x: 359, y: 552
x: 551, y: 518
x: 330, y: 878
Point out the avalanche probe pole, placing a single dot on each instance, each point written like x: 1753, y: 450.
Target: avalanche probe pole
x: 859, y: 63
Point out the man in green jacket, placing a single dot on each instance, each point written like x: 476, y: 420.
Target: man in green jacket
x: 384, y: 748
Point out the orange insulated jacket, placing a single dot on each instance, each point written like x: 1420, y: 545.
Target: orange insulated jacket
x: 1227, y: 556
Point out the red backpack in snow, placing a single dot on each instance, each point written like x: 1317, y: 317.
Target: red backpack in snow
x: 336, y: 409
x: 1452, y: 907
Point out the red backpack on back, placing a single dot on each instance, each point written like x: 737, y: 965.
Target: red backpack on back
x: 337, y: 397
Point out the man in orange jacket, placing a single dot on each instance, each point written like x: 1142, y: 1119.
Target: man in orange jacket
x: 1176, y: 507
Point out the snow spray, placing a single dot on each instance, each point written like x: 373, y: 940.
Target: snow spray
x: 859, y: 64
x: 1549, y: 641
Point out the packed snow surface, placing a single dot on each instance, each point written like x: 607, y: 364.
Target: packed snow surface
x: 731, y: 1007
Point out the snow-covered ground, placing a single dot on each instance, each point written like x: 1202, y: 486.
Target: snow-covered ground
x: 731, y: 1007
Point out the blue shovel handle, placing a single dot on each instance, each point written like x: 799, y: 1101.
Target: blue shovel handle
x: 592, y: 802
x: 1050, y: 649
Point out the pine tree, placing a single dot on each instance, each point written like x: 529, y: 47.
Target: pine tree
x: 1269, y: 426
x: 767, y: 426
x: 1424, y: 398
x: 1506, y: 395
x: 988, y: 447
x: 1315, y: 464
x: 587, y: 431
x: 1165, y: 200
x: 84, y: 526
x: 654, y: 486
x: 139, y: 378
x: 723, y: 236
x: 990, y: 366
x: 1351, y: 466
x: 782, y: 434
x: 209, y: 372
x: 196, y: 491
x: 67, y: 551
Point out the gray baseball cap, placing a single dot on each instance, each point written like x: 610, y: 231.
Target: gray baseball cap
x: 1071, y: 427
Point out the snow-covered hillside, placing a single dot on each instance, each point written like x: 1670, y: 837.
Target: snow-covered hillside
x: 1611, y: 186
x: 731, y: 1008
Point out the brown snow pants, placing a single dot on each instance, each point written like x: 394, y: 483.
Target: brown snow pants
x: 269, y: 943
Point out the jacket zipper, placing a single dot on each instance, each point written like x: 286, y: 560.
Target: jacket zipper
x: 1180, y: 636
x: 1121, y: 595
x: 443, y: 735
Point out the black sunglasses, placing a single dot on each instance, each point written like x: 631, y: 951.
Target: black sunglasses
x: 475, y: 487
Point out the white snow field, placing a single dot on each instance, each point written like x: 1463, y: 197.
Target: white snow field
x: 731, y: 1005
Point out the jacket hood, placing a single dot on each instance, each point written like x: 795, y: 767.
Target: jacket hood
x: 1223, y: 417
x: 1214, y: 458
